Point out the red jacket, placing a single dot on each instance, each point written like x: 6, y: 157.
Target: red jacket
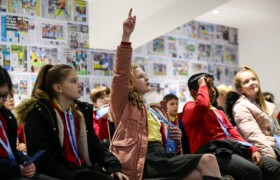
x: 201, y: 124
x: 101, y: 127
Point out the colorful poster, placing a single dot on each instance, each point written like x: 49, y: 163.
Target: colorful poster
x: 205, y: 31
x: 204, y: 52
x: 57, y: 9
x: 14, y: 29
x: 78, y: 59
x: 157, y: 46
x: 25, y: 7
x: 231, y: 55
x: 221, y: 34
x: 180, y: 69
x: 5, y: 57
x: 18, y: 58
x: 54, y: 34
x: 78, y: 36
x: 39, y: 56
x: 80, y: 12
x: 21, y: 86
x: 102, y: 63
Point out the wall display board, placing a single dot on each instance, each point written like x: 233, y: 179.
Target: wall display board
x: 38, y: 32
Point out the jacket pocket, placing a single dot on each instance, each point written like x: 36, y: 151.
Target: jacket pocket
x: 126, y: 151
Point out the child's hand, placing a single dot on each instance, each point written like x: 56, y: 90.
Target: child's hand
x: 175, y: 133
x: 202, y: 81
x: 128, y: 26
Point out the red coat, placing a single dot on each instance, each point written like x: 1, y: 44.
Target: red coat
x: 101, y: 127
x: 201, y: 124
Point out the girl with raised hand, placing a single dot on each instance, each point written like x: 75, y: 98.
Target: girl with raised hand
x: 138, y: 142
x: 54, y: 121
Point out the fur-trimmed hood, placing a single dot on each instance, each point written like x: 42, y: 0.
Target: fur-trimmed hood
x: 24, y: 108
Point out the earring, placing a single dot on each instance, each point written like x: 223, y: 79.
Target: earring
x: 60, y: 91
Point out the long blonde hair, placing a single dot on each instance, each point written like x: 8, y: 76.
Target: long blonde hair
x: 237, y: 82
x: 133, y: 95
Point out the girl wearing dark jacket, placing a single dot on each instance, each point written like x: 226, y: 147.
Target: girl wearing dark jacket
x: 55, y: 123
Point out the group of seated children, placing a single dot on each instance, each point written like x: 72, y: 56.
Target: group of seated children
x: 67, y: 139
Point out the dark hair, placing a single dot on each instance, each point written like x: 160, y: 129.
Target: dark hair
x: 5, y: 78
x: 268, y: 97
x: 48, y: 76
x: 169, y: 97
x: 193, y: 80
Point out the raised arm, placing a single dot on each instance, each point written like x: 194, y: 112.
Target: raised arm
x: 121, y: 78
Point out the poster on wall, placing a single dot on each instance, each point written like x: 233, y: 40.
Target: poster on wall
x: 188, y: 30
x: 204, y: 52
x: 102, y: 63
x: 180, y: 69
x: 25, y: 7
x: 39, y: 56
x: 143, y: 63
x: 171, y: 46
x: 233, y: 36
x: 57, y: 9
x: 5, y: 56
x: 18, y: 58
x: 80, y: 11
x: 100, y: 81
x: 218, y: 54
x: 221, y: 34
x: 159, y: 68
x: 230, y: 55
x: 78, y: 36
x: 186, y: 49
x: 14, y: 29
x: 205, y: 31
x: 78, y: 59
x: 3, y: 6
x: 196, y: 67
x: 225, y: 74
x: 157, y: 46
x: 21, y: 86
x: 85, y: 92
x: 53, y: 34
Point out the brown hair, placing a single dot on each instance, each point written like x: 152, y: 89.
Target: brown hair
x: 237, y: 82
x: 97, y: 92
x: 133, y: 95
x: 47, y: 77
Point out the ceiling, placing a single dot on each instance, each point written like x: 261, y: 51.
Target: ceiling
x: 244, y: 13
x: 157, y: 17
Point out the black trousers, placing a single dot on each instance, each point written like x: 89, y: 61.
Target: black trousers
x: 243, y: 169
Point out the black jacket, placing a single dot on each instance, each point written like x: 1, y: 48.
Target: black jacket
x: 42, y: 133
x: 10, y: 168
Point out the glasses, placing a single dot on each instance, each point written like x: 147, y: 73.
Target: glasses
x: 6, y: 97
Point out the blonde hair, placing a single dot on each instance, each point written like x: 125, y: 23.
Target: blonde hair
x: 224, y: 89
x: 133, y: 95
x: 237, y: 82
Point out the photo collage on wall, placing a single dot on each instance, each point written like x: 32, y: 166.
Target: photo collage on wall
x: 191, y: 48
x: 37, y: 32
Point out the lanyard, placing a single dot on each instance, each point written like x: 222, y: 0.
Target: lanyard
x: 160, y: 117
x: 225, y: 127
x: 6, y: 147
x: 222, y: 124
x: 72, y: 134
